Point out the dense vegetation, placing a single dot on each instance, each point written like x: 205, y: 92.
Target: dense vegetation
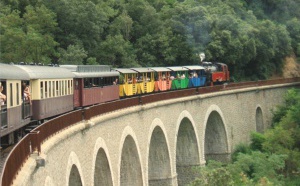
x: 272, y: 158
x: 252, y: 37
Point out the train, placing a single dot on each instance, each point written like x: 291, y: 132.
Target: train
x: 32, y: 94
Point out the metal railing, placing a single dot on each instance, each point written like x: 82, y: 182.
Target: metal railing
x: 32, y: 142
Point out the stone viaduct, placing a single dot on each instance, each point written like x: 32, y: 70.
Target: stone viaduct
x: 153, y: 144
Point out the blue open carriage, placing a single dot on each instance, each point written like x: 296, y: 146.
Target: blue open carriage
x: 197, y: 76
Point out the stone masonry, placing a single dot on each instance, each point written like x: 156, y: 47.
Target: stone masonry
x: 154, y: 144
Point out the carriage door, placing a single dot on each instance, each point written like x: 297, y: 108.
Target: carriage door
x: 77, y: 92
x: 3, y: 107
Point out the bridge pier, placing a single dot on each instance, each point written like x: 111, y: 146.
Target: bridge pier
x: 187, y: 173
x: 163, y: 181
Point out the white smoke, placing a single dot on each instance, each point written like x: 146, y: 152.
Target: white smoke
x: 202, y: 56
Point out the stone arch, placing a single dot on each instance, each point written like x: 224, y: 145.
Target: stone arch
x: 74, y: 172
x: 187, y: 151
x: 159, y: 164
x: 216, y: 141
x: 101, y: 171
x: 130, y: 164
x: 259, y: 120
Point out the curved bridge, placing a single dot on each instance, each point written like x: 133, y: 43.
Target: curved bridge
x: 155, y: 141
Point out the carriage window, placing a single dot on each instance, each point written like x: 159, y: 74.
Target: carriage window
x: 50, y: 89
x: 71, y: 86
x: 11, y: 94
x: 56, y: 88
x: 60, y: 88
x: 18, y: 94
x: 76, y: 84
x: 63, y: 87
x: 68, y: 87
x: 42, y: 90
x: 53, y: 88
x: 46, y: 89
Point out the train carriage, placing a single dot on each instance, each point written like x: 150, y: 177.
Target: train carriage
x: 144, y: 80
x: 15, y: 113
x: 197, y: 76
x: 93, y: 84
x: 179, y: 77
x: 162, y: 79
x: 127, y: 83
x: 51, y: 90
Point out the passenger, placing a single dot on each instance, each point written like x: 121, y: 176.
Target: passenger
x: 26, y: 93
x: 183, y: 76
x: 116, y: 81
x: 2, y: 96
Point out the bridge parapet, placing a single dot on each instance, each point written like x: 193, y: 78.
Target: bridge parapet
x: 34, y: 140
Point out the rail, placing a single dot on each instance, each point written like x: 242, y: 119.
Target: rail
x: 32, y: 142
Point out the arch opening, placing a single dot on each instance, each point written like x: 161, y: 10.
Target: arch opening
x: 259, y: 120
x: 102, y: 174
x: 187, y: 154
x: 131, y: 172
x: 159, y: 168
x: 74, y: 178
x: 216, y: 146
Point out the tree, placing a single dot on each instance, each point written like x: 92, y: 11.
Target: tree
x: 75, y: 55
x: 30, y: 38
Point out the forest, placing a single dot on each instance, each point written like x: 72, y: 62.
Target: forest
x: 252, y: 37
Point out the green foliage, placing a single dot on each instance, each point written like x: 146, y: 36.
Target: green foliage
x: 73, y: 55
x: 91, y: 61
x: 240, y: 148
x: 284, y: 138
x: 257, y: 140
x: 30, y: 38
x: 213, y: 174
x: 292, y: 99
x: 253, y: 168
x: 252, y: 37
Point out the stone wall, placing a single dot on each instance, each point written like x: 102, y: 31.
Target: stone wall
x: 125, y: 144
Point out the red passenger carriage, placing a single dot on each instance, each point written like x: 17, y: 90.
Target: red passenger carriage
x: 93, y: 84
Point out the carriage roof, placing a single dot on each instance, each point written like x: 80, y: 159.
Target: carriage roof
x: 160, y: 69
x: 179, y: 68
x: 194, y: 67
x: 142, y: 70
x: 88, y: 71
x: 46, y: 72
x: 12, y: 72
x: 95, y: 74
x: 87, y: 68
x: 125, y: 71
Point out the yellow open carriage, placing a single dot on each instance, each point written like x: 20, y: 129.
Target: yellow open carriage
x: 135, y: 81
